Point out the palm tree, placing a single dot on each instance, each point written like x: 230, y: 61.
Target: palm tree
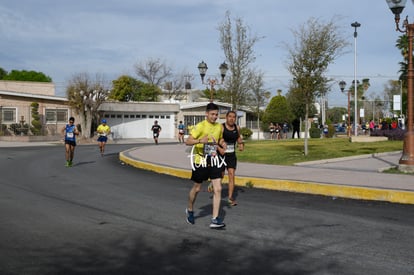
x: 402, y: 45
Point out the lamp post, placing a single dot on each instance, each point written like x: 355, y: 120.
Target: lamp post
x: 342, y: 85
x: 202, y: 68
x: 355, y: 25
x: 407, y: 159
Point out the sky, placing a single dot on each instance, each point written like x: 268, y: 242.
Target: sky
x: 65, y: 38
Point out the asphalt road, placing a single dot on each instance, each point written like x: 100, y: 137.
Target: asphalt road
x: 102, y: 217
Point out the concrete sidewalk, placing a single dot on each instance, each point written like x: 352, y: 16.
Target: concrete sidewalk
x: 354, y: 177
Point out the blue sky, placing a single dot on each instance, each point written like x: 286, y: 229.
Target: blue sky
x: 63, y: 38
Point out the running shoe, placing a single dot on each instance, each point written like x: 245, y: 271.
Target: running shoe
x: 210, y: 188
x: 70, y: 163
x: 67, y: 164
x: 190, y: 216
x: 216, y: 223
x: 232, y: 202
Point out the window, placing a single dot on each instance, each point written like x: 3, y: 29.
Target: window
x: 8, y: 115
x: 56, y: 115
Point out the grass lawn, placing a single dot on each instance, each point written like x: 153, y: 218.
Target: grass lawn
x: 288, y: 152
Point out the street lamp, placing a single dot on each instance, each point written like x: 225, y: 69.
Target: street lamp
x: 342, y: 85
x: 355, y: 25
x: 202, y: 68
x: 407, y: 159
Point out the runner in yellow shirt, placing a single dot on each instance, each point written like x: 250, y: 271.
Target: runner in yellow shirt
x: 103, y: 131
x: 207, y: 162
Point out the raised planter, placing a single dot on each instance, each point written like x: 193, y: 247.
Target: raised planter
x: 367, y: 139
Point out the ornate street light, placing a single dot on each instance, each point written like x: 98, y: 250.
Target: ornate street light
x: 202, y: 68
x: 342, y: 85
x: 407, y: 159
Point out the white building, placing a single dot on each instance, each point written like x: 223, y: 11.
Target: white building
x: 135, y: 119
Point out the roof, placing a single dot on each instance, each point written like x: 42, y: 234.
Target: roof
x: 49, y: 97
x: 202, y: 104
x: 151, y: 107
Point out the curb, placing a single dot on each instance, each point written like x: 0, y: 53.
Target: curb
x: 313, y: 188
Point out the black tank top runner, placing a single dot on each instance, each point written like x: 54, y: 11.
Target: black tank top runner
x: 230, y: 136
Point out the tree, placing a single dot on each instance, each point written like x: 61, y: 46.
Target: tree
x: 3, y: 73
x: 27, y: 76
x: 402, y: 45
x: 36, y: 123
x: 85, y: 96
x: 127, y: 88
x: 153, y: 71
x: 336, y: 114
x: 316, y: 45
x: 391, y: 88
x: 258, y: 97
x: 237, y: 45
x: 277, y: 111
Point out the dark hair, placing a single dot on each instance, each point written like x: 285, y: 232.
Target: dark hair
x: 211, y: 107
x: 71, y: 118
x: 231, y: 112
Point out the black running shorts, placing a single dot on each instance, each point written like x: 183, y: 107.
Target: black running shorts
x: 201, y: 174
x: 231, y: 160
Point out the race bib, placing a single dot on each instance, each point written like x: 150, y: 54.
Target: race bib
x: 230, y: 148
x: 210, y: 149
x: 103, y: 134
x: 181, y: 131
x: 69, y: 135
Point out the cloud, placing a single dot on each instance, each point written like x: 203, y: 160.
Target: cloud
x: 61, y: 39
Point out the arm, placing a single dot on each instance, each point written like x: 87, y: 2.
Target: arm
x: 192, y: 140
x: 240, y: 141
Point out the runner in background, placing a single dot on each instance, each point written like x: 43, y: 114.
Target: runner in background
x: 233, y: 139
x: 103, y: 131
x: 156, y: 130
x: 69, y: 133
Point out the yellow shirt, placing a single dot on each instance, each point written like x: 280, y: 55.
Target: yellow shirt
x: 202, y: 129
x: 103, y: 129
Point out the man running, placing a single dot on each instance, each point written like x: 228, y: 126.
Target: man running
x: 69, y: 133
x: 181, y: 132
x: 156, y: 130
x: 231, y: 136
x: 103, y: 131
x: 207, y: 162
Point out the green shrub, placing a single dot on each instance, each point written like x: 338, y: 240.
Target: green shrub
x: 19, y: 129
x: 36, y: 128
x: 246, y: 132
x: 314, y: 132
x: 331, y: 130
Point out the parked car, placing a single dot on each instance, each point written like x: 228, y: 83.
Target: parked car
x: 340, y: 128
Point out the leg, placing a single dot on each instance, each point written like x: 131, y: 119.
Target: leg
x: 193, y: 195
x: 231, y: 175
x: 72, y: 152
x: 216, y: 197
x: 67, y: 152
x: 103, y: 147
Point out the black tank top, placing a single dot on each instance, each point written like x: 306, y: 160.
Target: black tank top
x: 230, y: 136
